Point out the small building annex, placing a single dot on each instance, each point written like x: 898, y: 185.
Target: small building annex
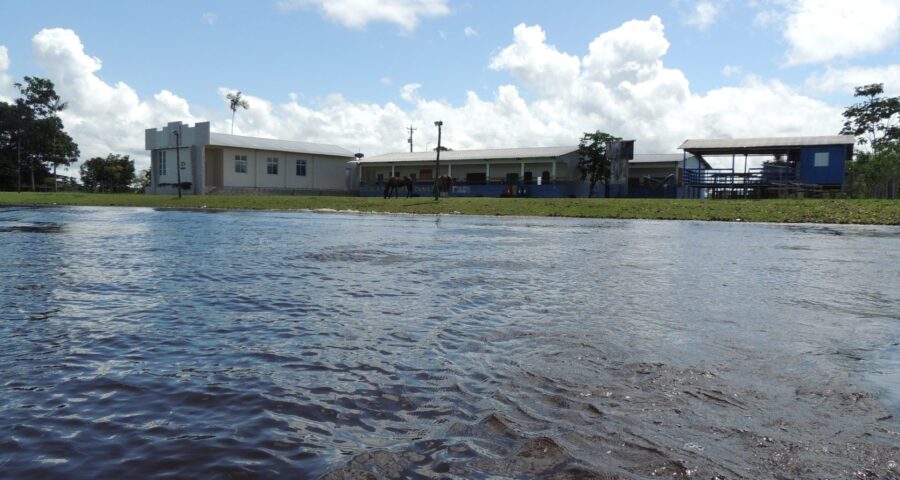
x: 222, y: 163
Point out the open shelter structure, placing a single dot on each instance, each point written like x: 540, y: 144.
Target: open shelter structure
x: 794, y: 166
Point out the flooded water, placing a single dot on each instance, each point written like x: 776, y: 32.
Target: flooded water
x: 137, y: 343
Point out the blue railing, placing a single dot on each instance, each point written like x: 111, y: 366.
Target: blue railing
x: 727, y: 178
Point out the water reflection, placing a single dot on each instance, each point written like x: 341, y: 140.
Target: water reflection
x: 147, y: 342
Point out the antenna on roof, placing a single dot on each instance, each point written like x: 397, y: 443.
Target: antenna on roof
x: 410, y: 129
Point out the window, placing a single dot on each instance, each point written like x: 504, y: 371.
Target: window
x: 240, y: 164
x: 162, y: 163
x: 380, y: 178
x: 821, y: 159
x: 425, y: 174
x: 272, y: 166
x: 301, y: 168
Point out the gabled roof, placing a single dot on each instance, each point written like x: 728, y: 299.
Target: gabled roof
x: 713, y: 146
x: 484, y: 154
x: 290, y: 146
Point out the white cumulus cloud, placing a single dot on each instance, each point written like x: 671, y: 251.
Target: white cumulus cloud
x: 844, y: 80
x: 704, y: 14
x: 102, y: 118
x: 731, y: 70
x: 359, y: 13
x: 7, y: 91
x: 822, y: 30
x: 539, y: 66
x: 470, y: 32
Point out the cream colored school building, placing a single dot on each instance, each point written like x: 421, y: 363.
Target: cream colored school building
x: 220, y: 163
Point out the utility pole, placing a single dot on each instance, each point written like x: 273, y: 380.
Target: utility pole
x: 410, y: 129
x: 437, y: 161
x: 177, y: 134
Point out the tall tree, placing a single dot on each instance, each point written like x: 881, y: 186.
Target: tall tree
x: 113, y: 174
x: 31, y: 128
x: 593, y: 164
x: 876, y: 122
x: 51, y: 145
x: 237, y: 101
x: 875, y: 119
x: 9, y: 139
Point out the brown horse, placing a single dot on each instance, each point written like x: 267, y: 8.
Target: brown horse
x: 393, y: 184
x: 442, y: 184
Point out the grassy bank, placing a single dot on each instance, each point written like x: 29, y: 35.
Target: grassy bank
x: 884, y: 212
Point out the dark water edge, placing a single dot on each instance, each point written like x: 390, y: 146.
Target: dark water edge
x: 144, y: 343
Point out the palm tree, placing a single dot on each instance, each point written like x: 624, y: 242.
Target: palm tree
x: 236, y: 102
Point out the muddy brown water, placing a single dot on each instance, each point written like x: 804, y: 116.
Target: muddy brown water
x: 141, y: 343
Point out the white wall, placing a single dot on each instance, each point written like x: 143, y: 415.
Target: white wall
x: 232, y: 179
x: 171, y: 175
x: 322, y: 172
x: 301, y: 182
x: 330, y: 173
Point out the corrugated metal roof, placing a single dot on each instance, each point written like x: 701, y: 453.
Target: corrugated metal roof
x: 275, y: 145
x: 462, y: 155
x: 657, y: 157
x: 650, y: 158
x: 765, y: 142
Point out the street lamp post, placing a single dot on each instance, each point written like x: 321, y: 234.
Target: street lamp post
x: 437, y: 161
x: 177, y: 134
x: 359, y: 156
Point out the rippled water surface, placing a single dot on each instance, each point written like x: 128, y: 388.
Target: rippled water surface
x: 143, y: 343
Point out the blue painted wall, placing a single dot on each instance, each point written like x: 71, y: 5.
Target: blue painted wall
x: 833, y: 174
x: 560, y: 189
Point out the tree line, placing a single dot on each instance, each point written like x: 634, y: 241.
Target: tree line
x: 875, y: 121
x: 34, y: 145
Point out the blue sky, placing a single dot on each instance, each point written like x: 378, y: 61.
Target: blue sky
x: 293, y: 54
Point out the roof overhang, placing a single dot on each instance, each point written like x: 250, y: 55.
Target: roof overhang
x: 761, y: 146
x: 473, y: 156
x: 276, y: 145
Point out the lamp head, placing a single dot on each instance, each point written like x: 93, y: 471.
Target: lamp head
x: 438, y: 123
